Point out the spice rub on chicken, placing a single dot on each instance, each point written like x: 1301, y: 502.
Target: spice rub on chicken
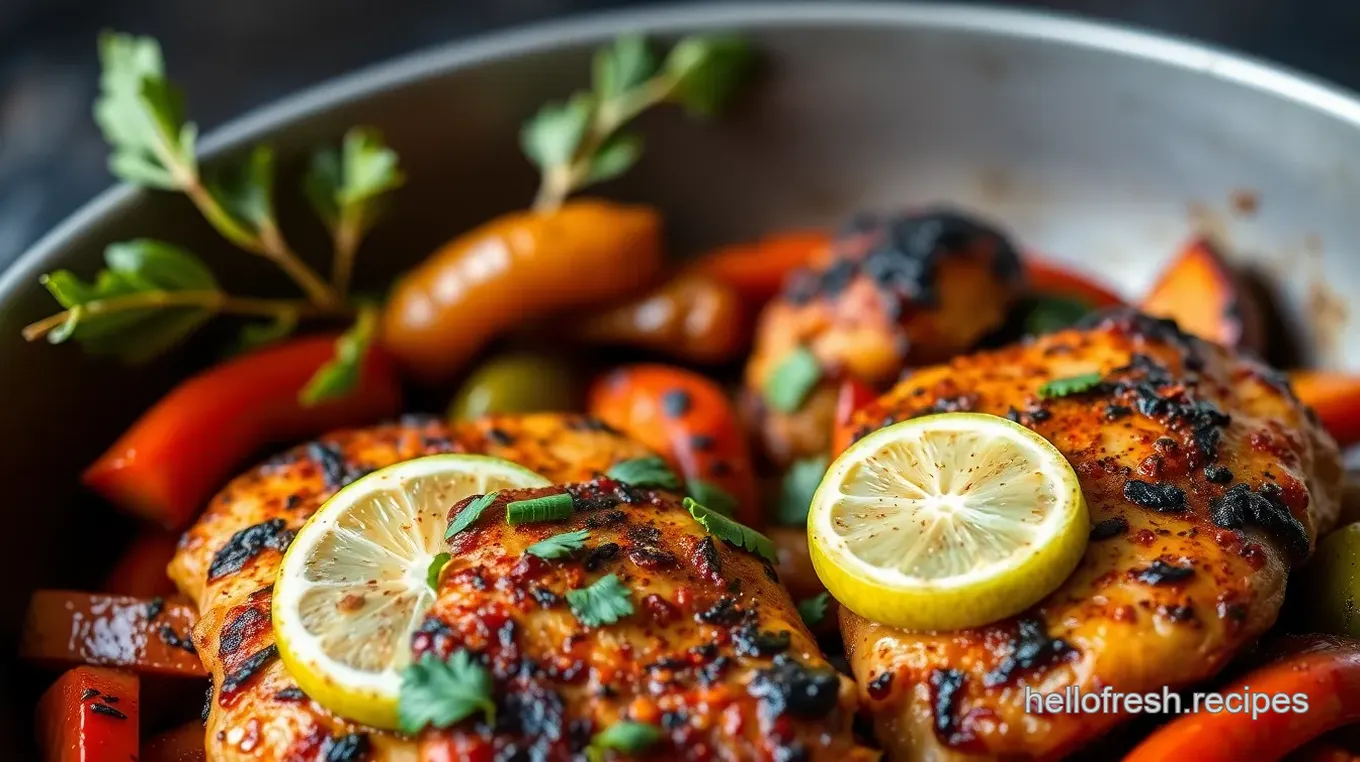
x: 893, y: 291
x: 1206, y: 479
x: 752, y: 674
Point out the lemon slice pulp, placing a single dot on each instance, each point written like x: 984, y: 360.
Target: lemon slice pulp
x: 947, y: 521
x: 353, y: 585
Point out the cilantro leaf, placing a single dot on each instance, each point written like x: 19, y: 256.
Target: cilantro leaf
x: 731, y: 531
x: 792, y: 380
x: 799, y: 485
x: 604, y: 602
x: 706, y: 72
x: 623, y: 65
x: 1047, y: 314
x: 553, y: 507
x: 1062, y: 387
x: 149, y: 298
x: 341, y: 374
x: 142, y: 115
x: 712, y: 496
x: 559, y: 545
x: 469, y: 514
x: 645, y: 472
x: 813, y: 610
x: 626, y: 736
x: 436, y: 568
x: 439, y: 694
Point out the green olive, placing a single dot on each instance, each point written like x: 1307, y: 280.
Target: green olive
x: 517, y: 383
x: 1334, y: 591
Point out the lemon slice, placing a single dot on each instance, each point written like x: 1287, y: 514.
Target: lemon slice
x: 354, y: 586
x: 947, y: 521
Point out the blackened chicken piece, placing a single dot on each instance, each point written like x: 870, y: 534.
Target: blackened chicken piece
x: 892, y: 292
x: 1202, y: 496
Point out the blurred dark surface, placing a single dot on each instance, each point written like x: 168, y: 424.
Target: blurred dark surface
x: 232, y: 56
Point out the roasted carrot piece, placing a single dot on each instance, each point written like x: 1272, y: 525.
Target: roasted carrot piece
x: 687, y: 419
x: 695, y: 318
x: 65, y: 628
x: 90, y: 715
x: 1321, y: 671
x: 183, y: 744
x: 1058, y: 280
x: 757, y: 270
x: 140, y: 571
x: 181, y: 450
x: 1207, y: 298
x: 1336, y: 399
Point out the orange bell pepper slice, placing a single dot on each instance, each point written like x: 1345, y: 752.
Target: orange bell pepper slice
x: 180, y: 451
x: 1321, y: 670
x: 757, y: 270
x: 1336, y: 399
x: 687, y: 419
x: 1207, y: 298
x: 65, y: 628
x: 90, y: 715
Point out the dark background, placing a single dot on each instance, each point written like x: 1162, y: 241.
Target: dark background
x: 232, y: 55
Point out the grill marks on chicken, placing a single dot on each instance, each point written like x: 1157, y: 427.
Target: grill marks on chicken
x: 1184, y: 568
x: 567, y: 679
x: 715, y: 653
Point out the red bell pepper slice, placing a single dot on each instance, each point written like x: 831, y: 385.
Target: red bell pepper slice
x: 140, y: 571
x: 180, y: 451
x: 757, y: 270
x: 1336, y: 399
x: 851, y: 396
x: 65, y: 628
x: 1321, y: 670
x: 1048, y: 278
x: 90, y: 715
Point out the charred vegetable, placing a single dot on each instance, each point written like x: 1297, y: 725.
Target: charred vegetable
x: 1207, y: 298
x: 145, y: 634
x: 90, y: 715
x: 559, y: 254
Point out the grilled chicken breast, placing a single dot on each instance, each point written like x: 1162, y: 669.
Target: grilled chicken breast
x: 1206, y: 480
x: 228, y: 561
x: 890, y: 292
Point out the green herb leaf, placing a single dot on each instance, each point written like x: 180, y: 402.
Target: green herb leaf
x: 800, y: 484
x: 342, y: 185
x: 712, y: 496
x: 435, y: 568
x: 789, y: 385
x: 813, y: 610
x: 141, y: 114
x: 616, y: 156
x: 1062, y: 387
x: 142, y: 268
x: 731, y: 531
x: 707, y: 72
x: 626, y: 736
x: 605, y: 602
x: 439, y: 694
x: 623, y: 65
x: 649, y: 472
x: 339, y: 376
x: 469, y: 515
x: 257, y: 335
x: 246, y: 190
x: 539, y: 509
x: 559, y: 544
x: 1047, y: 314
x: 550, y: 139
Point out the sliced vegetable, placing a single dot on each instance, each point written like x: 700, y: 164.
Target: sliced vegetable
x: 183, y: 744
x: 1316, y: 681
x: 90, y: 715
x: 516, y: 267
x: 518, y: 383
x: 65, y: 628
x: 1048, y: 278
x: 690, y: 317
x: 757, y: 270
x: 687, y: 419
x: 140, y: 571
x: 1336, y: 399
x: 851, y: 396
x: 1207, y: 298
x: 167, y: 465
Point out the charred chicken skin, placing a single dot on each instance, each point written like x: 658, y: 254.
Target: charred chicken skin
x: 1206, y: 480
x: 715, y: 655
x: 889, y: 292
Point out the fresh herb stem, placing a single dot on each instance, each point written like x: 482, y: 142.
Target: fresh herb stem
x: 348, y: 235
x: 214, y: 301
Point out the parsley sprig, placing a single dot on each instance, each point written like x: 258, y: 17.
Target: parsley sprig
x: 152, y: 294
x: 440, y: 693
x: 559, y: 545
x: 606, y: 601
x: 580, y: 141
x: 1064, y: 387
x: 627, y: 736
